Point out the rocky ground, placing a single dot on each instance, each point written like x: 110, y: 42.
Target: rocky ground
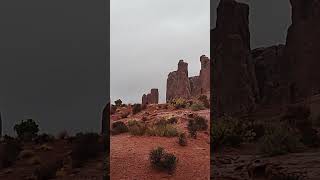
x: 247, y: 162
x: 35, y: 156
x: 130, y: 154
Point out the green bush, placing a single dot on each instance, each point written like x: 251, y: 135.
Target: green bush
x: 163, y: 160
x: 26, y: 130
x: 204, y: 100
x: 119, y: 127
x: 136, y: 108
x: 278, y: 140
x: 137, y: 128
x: 182, y: 139
x: 197, y: 107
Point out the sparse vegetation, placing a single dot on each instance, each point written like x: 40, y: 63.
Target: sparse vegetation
x: 179, y: 103
x: 137, y: 128
x: 166, y: 130
x: 119, y: 127
x: 163, y: 160
x: 26, y: 130
x: 182, y: 139
x: 204, y: 100
x: 172, y: 120
x: 43, y: 138
x: 196, y: 124
x: 197, y: 106
x: 278, y: 140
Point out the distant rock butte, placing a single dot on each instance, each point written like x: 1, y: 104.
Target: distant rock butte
x: 180, y: 85
x: 151, y: 98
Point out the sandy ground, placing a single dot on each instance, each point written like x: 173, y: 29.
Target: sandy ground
x: 130, y: 155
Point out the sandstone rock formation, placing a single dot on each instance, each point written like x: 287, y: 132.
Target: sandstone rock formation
x: 235, y: 88
x: 302, y: 51
x: 151, y: 98
x: 270, y: 75
x: 179, y: 85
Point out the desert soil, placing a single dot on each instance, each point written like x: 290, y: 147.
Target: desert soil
x: 129, y: 158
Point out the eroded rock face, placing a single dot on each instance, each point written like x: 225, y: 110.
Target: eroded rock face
x: 269, y: 75
x: 235, y: 87
x: 302, y: 51
x: 151, y: 98
x: 179, y: 85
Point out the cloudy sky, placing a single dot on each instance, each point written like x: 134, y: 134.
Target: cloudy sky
x: 149, y: 37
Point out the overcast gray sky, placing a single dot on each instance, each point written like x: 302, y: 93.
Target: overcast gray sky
x: 53, y: 64
x: 149, y: 37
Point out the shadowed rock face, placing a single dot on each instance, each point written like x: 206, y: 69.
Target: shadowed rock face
x: 179, y: 85
x: 151, y: 98
x: 269, y: 75
x: 235, y: 87
x: 302, y: 51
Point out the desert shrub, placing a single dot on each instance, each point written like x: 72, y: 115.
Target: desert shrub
x: 136, y: 108
x: 85, y: 147
x: 162, y: 128
x: 9, y: 151
x: 48, y: 170
x: 125, y: 115
x: 278, y: 140
x: 225, y: 131
x: 163, y: 160
x: 204, y: 100
x: 119, y: 127
x: 166, y: 130
x: 197, y: 107
x: 63, y: 135
x: 196, y: 124
x: 179, y: 103
x: 26, y: 130
x: 118, y: 103
x: 192, y: 128
x: 182, y: 139
x: 43, y: 138
x: 201, y: 123
x: 137, y: 128
x: 172, y: 120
